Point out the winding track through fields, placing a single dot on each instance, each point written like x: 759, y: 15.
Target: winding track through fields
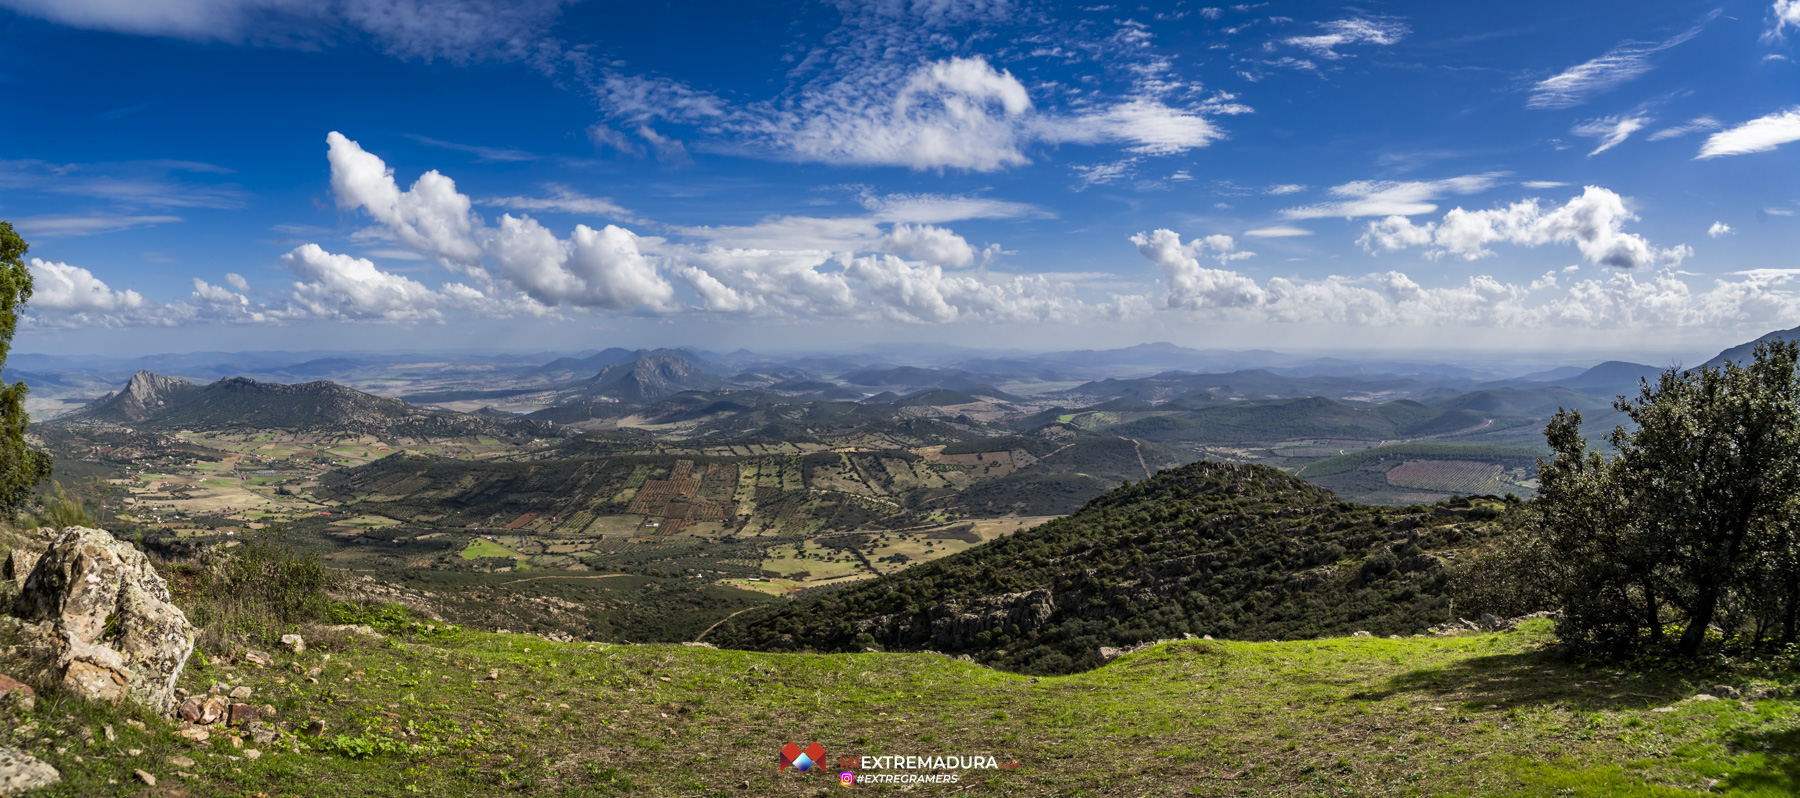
x: 535, y: 578
x: 1139, y: 448
x: 722, y: 620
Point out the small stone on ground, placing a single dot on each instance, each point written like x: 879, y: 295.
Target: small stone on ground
x: 20, y: 771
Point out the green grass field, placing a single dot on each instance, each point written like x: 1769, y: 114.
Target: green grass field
x: 480, y: 547
x: 1478, y: 715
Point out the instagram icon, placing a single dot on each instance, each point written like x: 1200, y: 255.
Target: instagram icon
x: 846, y: 778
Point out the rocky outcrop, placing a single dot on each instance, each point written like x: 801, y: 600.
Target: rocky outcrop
x: 20, y: 772
x: 117, y: 636
x: 1488, y: 622
x: 142, y: 397
x: 18, y: 565
x: 954, y: 624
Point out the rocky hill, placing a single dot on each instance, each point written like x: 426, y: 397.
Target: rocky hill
x: 152, y: 401
x: 651, y: 377
x: 1231, y: 551
x: 143, y: 397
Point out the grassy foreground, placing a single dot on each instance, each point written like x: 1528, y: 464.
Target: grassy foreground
x: 1473, y: 715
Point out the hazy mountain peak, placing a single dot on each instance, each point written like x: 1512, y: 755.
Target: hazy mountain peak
x: 651, y: 376
x: 1744, y: 352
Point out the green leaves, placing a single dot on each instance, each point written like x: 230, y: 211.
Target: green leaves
x: 1689, y: 521
x: 21, y: 469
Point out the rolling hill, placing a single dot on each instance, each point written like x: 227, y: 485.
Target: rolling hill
x: 1742, y: 353
x: 1542, y: 402
x: 1611, y: 378
x: 1235, y: 551
x: 1311, y: 417
x: 1255, y: 384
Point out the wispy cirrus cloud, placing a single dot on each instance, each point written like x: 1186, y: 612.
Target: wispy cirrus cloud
x: 1698, y: 124
x: 133, y: 184
x: 563, y: 199
x: 457, y: 31
x: 1392, y: 198
x: 1278, y: 231
x: 1610, y: 130
x: 69, y: 226
x: 1342, y: 32
x: 1579, y: 83
x: 1757, y: 135
x: 482, y: 154
x: 968, y: 115
x: 901, y: 93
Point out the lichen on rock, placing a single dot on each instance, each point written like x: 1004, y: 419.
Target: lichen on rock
x: 21, y: 772
x: 118, y: 634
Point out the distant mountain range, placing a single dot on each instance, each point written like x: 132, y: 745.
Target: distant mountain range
x: 153, y: 401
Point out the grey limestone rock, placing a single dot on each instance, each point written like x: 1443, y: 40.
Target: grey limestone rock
x: 118, y: 636
x: 20, y: 772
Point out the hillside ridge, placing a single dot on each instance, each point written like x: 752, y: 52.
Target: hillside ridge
x: 1232, y: 551
x: 160, y: 402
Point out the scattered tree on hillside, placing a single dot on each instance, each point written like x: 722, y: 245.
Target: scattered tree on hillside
x: 21, y: 468
x: 1690, y: 523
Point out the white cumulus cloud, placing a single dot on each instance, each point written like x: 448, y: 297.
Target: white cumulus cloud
x: 1192, y: 286
x: 350, y: 288
x: 594, y: 268
x: 1594, y: 222
x: 63, y: 288
x: 1621, y: 300
x: 1786, y: 14
x: 1718, y: 229
x: 431, y: 216
x: 931, y: 244
x: 924, y: 293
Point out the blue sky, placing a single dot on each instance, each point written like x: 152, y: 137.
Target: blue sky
x: 423, y: 174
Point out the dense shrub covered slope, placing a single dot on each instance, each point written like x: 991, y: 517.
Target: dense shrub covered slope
x: 1231, y: 551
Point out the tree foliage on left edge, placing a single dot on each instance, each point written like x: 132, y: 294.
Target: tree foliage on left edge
x: 21, y: 468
